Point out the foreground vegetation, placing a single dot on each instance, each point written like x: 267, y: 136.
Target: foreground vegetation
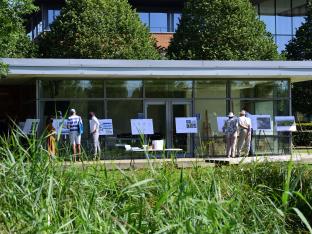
x: 39, y: 195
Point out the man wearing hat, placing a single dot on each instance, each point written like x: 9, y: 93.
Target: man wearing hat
x: 230, y: 129
x: 244, y: 136
x: 74, y: 135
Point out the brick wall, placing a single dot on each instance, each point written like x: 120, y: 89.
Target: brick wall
x: 163, y: 39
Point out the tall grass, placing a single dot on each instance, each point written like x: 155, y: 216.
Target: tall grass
x: 39, y: 195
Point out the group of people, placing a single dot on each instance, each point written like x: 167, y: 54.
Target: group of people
x: 238, y: 133
x: 75, y: 127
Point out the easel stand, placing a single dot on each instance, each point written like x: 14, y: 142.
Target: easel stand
x: 265, y: 140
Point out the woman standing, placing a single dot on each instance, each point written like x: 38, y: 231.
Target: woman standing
x: 51, y: 139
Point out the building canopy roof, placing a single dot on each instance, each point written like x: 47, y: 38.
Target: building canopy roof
x: 25, y: 69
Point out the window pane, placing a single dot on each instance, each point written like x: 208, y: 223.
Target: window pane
x: 144, y: 18
x: 124, y: 89
x: 176, y: 20
x: 267, y: 15
x: 250, y: 89
x: 121, y: 121
x: 72, y: 89
x: 158, y: 22
x: 210, y: 89
x: 209, y: 110
x: 168, y: 89
x: 281, y: 42
x: 283, y: 17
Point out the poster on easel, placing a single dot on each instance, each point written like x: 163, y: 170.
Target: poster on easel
x: 142, y: 126
x: 221, y: 121
x: 60, y: 126
x: 186, y: 125
x: 261, y: 122
x: 106, y: 127
x: 31, y: 126
x: 285, y: 124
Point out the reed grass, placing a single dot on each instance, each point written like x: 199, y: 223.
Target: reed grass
x: 40, y: 195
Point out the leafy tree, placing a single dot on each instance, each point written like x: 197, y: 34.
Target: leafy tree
x: 14, y: 42
x: 98, y: 29
x: 300, y: 48
x: 221, y: 30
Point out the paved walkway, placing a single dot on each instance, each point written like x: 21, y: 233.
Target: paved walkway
x: 191, y: 162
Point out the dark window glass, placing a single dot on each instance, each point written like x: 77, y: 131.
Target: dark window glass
x: 168, y: 89
x: 72, y: 89
x: 124, y: 89
x: 121, y: 112
x: 158, y: 22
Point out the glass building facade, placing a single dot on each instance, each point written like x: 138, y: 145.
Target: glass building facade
x: 281, y: 17
x: 163, y: 100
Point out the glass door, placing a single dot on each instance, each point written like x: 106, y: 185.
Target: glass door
x: 163, y: 114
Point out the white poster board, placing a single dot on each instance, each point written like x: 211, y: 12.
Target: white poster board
x: 186, y: 125
x: 106, y: 127
x: 261, y: 122
x: 142, y: 126
x: 60, y: 126
x: 221, y: 121
x: 285, y: 124
x: 31, y: 126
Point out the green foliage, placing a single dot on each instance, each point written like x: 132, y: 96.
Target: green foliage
x: 58, y: 197
x: 221, y: 30
x: 98, y: 29
x: 14, y: 42
x: 4, y: 69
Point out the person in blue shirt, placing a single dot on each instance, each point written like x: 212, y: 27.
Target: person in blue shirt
x: 74, y: 135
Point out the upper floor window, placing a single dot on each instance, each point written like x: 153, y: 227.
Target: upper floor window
x: 160, y: 21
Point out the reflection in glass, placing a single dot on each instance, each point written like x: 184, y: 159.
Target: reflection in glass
x: 158, y: 22
x: 298, y: 13
x: 144, y: 18
x: 72, y: 89
x: 168, y: 89
x: 283, y: 17
x: 157, y: 112
x: 210, y: 89
x: 249, y: 89
x: 124, y: 89
x: 122, y: 112
x: 267, y: 15
x: 281, y: 42
x: 176, y: 20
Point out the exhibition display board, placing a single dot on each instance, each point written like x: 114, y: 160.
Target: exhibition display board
x: 186, y: 125
x: 142, y: 126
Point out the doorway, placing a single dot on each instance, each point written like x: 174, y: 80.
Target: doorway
x: 163, y: 114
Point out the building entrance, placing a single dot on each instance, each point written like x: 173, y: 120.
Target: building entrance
x: 163, y: 114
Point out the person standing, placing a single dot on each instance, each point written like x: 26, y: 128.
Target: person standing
x: 230, y: 129
x: 244, y: 136
x: 95, y: 134
x: 248, y: 115
x: 74, y: 124
x: 51, y: 138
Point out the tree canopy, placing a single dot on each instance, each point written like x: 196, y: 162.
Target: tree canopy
x: 14, y: 42
x: 108, y: 29
x: 300, y: 48
x: 221, y: 30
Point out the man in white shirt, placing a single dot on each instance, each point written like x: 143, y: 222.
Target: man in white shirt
x: 95, y: 133
x: 244, y: 137
x: 74, y: 134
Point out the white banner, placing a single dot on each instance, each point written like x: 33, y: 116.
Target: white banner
x: 186, y: 125
x: 221, y: 121
x: 60, y: 126
x: 31, y: 126
x: 142, y: 126
x: 106, y: 127
x: 285, y: 124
